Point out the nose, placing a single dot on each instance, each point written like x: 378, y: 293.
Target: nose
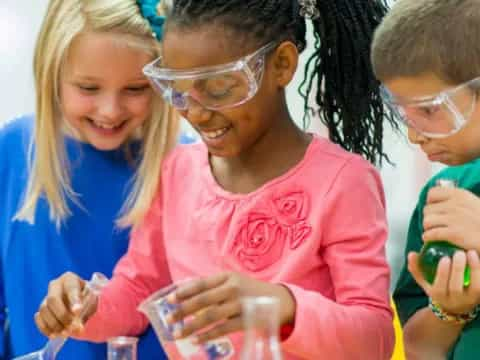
x: 196, y: 114
x: 110, y: 107
x: 416, y: 137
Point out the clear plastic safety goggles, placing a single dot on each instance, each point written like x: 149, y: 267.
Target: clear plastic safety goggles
x: 436, y: 116
x: 214, y: 87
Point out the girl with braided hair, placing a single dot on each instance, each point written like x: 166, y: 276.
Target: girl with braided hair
x: 259, y: 207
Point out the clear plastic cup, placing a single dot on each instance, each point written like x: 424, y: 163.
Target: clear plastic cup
x: 157, y: 308
x: 122, y: 348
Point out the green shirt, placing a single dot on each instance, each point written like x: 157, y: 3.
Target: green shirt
x: 408, y: 296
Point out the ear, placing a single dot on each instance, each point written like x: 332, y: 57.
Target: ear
x: 285, y: 62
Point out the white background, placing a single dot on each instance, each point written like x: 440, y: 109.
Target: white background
x: 19, y: 24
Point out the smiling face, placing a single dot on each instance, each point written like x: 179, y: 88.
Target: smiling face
x: 103, y: 93
x: 227, y: 132
x: 459, y: 148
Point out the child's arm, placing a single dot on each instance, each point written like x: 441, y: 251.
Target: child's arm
x: 425, y: 335
x: 358, y: 324
x: 138, y: 274
x: 142, y: 271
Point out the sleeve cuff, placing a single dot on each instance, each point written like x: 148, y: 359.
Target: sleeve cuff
x: 295, y: 334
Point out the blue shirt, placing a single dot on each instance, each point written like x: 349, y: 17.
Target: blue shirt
x: 33, y: 255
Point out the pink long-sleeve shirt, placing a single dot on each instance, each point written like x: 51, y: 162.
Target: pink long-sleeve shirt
x: 320, y: 229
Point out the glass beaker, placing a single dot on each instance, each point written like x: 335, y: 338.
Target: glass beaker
x: 261, y: 321
x: 122, y: 348
x: 53, y: 346
x: 157, y: 308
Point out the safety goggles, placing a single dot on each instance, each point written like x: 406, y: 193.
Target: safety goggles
x: 214, y: 88
x: 436, y: 116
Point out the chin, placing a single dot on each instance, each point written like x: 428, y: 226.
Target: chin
x: 455, y: 162
x: 223, y: 152
x: 105, y: 146
x: 220, y: 153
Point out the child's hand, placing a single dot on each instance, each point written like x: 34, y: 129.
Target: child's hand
x: 447, y: 290
x: 452, y: 214
x: 66, y: 307
x: 215, y: 304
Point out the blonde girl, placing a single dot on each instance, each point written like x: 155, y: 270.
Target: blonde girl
x: 75, y: 176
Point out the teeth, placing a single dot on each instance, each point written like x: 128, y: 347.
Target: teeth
x: 107, y: 126
x: 215, y: 134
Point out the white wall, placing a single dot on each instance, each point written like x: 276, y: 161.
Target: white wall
x: 19, y: 23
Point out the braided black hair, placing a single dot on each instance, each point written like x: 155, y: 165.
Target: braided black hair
x: 347, y: 93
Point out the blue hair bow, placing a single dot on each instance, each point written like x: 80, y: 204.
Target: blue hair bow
x: 149, y: 10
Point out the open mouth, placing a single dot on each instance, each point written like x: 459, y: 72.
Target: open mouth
x: 107, y: 127
x: 215, y: 134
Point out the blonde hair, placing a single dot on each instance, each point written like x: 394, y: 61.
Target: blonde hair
x: 429, y: 36
x: 49, y: 171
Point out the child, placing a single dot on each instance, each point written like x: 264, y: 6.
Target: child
x: 426, y: 53
x: 97, y: 127
x: 260, y: 207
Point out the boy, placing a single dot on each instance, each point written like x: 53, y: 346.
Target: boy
x: 427, y: 54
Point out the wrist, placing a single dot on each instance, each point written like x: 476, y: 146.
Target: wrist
x: 288, y: 305
x: 461, y: 318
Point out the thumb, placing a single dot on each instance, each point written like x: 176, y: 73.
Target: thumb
x: 413, y: 267
x: 75, y: 302
x: 73, y: 287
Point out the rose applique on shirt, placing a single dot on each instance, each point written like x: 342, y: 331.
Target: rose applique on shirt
x: 263, y: 235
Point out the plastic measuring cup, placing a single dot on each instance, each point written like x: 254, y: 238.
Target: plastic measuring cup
x: 53, y: 346
x: 157, y: 308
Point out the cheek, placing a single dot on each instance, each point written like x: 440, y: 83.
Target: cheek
x: 241, y: 117
x: 463, y: 146
x: 139, y: 106
x: 470, y: 147
x: 76, y: 105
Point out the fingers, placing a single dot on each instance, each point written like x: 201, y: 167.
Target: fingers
x: 448, y: 288
x: 72, y: 288
x: 43, y: 326
x: 440, y: 194
x: 52, y: 319
x: 47, y: 323
x: 432, y: 220
x: 201, y: 301
x: 457, y: 272
x: 436, y: 233
x: 55, y: 315
x: 228, y: 327
x: 196, y: 287
x: 474, y: 262
x: 209, y: 316
x: 439, y: 288
x: 414, y: 269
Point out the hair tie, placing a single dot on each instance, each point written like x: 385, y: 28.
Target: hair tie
x: 308, y: 9
x: 150, y: 10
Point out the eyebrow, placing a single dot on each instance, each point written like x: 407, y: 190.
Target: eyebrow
x: 141, y: 78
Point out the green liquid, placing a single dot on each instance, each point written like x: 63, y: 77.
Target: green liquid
x: 431, y: 254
